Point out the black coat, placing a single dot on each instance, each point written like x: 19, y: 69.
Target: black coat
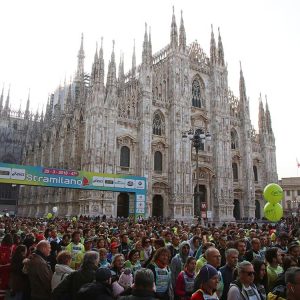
x: 69, y: 287
x: 95, y: 291
x: 138, y: 294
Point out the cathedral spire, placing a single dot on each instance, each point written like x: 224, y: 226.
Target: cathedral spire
x: 6, y: 107
x: 174, y: 33
x: 149, y: 45
x: 68, y: 100
x: 243, y: 96
x: 111, y: 74
x: 27, y: 106
x: 220, y: 51
x: 80, y: 63
x: 1, y: 98
x: 268, y: 117
x: 213, y: 50
x: 145, y: 46
x: 101, y: 65
x: 95, y: 68
x: 133, y: 59
x: 121, y: 67
x: 261, y: 116
x: 182, y: 35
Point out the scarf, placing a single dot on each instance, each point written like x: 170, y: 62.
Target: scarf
x: 160, y: 264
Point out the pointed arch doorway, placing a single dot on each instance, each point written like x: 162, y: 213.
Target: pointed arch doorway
x: 199, y: 200
x: 257, y: 210
x: 123, y: 205
x: 237, y: 209
x: 157, y: 206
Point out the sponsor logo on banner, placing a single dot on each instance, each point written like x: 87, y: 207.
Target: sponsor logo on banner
x: 140, y: 184
x: 119, y: 182
x: 140, y: 210
x: 130, y: 183
x: 98, y: 181
x: 109, y: 182
x: 18, y: 174
x: 140, y: 205
x: 5, y: 173
x: 140, y: 197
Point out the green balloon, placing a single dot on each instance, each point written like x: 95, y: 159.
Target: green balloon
x: 273, y: 193
x: 74, y: 219
x: 273, y: 212
x: 49, y: 216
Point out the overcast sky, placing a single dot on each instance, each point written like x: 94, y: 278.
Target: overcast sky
x: 40, y: 41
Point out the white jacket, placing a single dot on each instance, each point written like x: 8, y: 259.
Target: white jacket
x: 61, y: 272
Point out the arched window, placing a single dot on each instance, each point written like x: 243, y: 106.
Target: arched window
x: 158, y: 126
x: 235, y: 172
x: 255, y: 173
x: 125, y: 157
x: 234, y: 140
x: 158, y: 161
x: 196, y: 94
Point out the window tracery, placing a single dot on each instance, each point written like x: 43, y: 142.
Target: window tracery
x: 158, y: 125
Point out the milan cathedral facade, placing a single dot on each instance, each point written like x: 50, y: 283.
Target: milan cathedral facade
x: 133, y: 123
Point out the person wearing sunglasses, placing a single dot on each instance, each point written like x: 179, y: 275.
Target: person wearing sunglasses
x: 243, y: 288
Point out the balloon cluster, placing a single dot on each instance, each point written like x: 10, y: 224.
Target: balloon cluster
x: 273, y: 194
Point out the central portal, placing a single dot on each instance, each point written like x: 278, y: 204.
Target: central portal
x: 123, y: 205
x: 158, y: 206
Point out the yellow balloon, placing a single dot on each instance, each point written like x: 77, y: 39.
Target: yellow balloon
x: 49, y: 216
x: 273, y: 212
x: 74, y: 219
x: 273, y: 193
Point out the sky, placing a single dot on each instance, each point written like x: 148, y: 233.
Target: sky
x: 40, y: 41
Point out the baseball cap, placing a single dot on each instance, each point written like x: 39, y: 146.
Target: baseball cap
x: 114, y: 245
x: 207, y: 272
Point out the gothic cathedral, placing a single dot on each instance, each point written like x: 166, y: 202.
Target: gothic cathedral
x: 133, y: 124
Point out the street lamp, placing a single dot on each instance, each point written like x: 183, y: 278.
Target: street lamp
x: 197, y: 137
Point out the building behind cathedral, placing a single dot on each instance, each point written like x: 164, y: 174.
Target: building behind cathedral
x: 133, y: 124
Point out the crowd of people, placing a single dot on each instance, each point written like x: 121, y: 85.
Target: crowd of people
x: 93, y: 258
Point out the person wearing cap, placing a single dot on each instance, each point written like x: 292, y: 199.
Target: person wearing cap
x: 214, y: 259
x: 243, y: 288
x: 100, y: 289
x: 113, y: 251
x: 208, y: 282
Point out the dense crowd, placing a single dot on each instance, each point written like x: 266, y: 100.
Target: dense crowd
x: 87, y: 258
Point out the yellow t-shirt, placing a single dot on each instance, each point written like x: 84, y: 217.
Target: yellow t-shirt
x: 77, y: 252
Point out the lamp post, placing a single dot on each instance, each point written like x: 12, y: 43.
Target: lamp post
x: 197, y: 137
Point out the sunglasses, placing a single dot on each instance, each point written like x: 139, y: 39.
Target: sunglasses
x: 249, y: 273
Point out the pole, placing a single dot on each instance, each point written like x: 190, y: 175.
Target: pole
x: 197, y: 182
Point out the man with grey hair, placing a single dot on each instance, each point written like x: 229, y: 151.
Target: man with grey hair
x: 292, y: 280
x: 232, y: 257
x: 143, y: 287
x: 39, y: 272
x: 243, y: 288
x: 72, y: 283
